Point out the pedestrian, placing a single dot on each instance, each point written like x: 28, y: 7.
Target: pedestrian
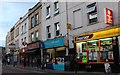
x: 76, y: 64
x: 15, y: 61
x: 8, y: 61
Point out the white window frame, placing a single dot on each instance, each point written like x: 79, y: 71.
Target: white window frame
x: 47, y: 12
x: 57, y: 28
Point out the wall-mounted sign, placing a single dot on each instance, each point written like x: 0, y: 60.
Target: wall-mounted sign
x: 57, y: 42
x: 98, y: 35
x: 24, y: 43
x: 108, y: 16
x: 33, y: 45
x: 84, y: 37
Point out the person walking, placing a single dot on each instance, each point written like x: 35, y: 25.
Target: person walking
x: 76, y: 64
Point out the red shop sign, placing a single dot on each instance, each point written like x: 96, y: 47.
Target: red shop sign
x: 33, y: 45
x: 108, y: 16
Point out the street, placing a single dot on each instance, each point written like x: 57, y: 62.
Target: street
x: 8, y: 70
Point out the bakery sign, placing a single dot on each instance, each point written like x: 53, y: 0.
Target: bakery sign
x: 108, y: 16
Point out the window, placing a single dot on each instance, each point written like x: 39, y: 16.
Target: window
x: 22, y: 30
x: 36, y: 35
x: 93, y: 51
x: 21, y: 41
x: 92, y: 13
x: 48, y: 12
x: 82, y: 52
x: 57, y: 29
x: 36, y: 19
x: 48, y: 32
x: 56, y: 7
x: 32, y: 37
x: 25, y: 39
x: 25, y: 30
x: 77, y: 18
x: 32, y: 22
x: 106, y: 49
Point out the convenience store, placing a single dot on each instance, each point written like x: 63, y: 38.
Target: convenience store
x: 95, y: 47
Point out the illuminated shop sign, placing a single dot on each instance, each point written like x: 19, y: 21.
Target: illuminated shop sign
x: 108, y: 16
x: 85, y: 37
x: 98, y: 35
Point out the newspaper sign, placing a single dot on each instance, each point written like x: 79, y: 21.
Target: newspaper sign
x: 107, y: 68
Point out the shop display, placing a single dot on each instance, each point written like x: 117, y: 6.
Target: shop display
x: 93, y: 48
x: 106, y: 49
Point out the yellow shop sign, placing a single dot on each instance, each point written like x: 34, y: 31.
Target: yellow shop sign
x: 98, y: 35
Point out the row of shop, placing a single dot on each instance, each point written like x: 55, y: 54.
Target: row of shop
x: 92, y: 48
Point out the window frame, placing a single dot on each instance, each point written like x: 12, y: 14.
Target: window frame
x: 48, y: 32
x: 32, y: 22
x: 57, y: 24
x: 32, y: 37
x: 93, y: 12
x: 36, y: 19
x: 48, y: 12
x: 56, y: 8
x: 36, y: 35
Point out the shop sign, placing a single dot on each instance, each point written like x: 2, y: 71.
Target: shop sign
x: 24, y: 43
x: 84, y: 37
x: 108, y: 16
x: 33, y: 45
x: 98, y: 35
x: 57, y: 42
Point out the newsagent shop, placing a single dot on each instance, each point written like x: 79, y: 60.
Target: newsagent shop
x: 95, y: 47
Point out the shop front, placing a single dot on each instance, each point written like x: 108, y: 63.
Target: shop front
x: 33, y: 54
x: 96, y: 47
x: 22, y: 56
x: 54, y: 52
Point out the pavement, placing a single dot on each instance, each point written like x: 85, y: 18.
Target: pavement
x: 38, y: 70
x: 19, y: 70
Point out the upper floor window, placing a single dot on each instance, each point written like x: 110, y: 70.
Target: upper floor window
x: 56, y: 7
x: 77, y: 18
x: 36, y: 19
x: 36, y: 35
x: 25, y: 30
x: 32, y: 37
x: 22, y: 30
x: 48, y: 32
x: 25, y: 39
x: 48, y: 12
x: 32, y: 22
x: 92, y: 13
x: 21, y: 41
x: 57, y: 29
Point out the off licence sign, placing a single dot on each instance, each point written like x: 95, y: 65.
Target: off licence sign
x: 108, y: 16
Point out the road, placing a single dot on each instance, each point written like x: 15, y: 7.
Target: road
x: 7, y: 70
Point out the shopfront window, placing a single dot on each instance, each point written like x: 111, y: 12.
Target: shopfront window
x: 93, y: 51
x: 106, y: 49
x: 82, y: 51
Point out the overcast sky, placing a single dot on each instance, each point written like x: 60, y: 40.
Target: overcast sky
x: 10, y: 12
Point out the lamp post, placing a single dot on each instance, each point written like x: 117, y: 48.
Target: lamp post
x: 67, y: 49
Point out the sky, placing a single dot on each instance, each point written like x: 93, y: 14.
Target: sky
x: 10, y: 12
